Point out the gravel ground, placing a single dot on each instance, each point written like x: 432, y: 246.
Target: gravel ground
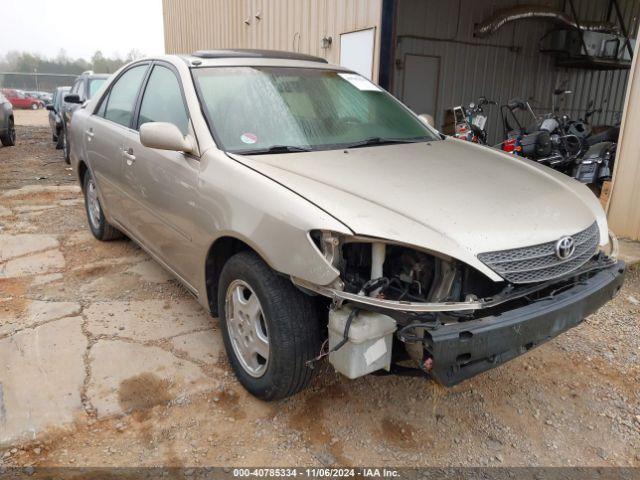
x: 573, y: 401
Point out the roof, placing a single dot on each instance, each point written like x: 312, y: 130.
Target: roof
x: 90, y: 75
x: 256, y: 53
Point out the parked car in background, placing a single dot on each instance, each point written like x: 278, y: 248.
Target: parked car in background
x: 316, y: 215
x: 55, y: 115
x: 46, y: 97
x: 7, y: 126
x: 82, y: 90
x: 20, y: 99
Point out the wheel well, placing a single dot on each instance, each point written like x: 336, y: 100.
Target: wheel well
x: 221, y: 251
x: 82, y: 169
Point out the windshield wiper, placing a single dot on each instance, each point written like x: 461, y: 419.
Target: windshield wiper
x: 384, y: 141
x: 274, y: 149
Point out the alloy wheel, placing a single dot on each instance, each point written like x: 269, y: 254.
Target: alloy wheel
x: 247, y: 328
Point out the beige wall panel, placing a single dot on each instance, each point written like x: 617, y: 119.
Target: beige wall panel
x: 624, y: 205
x: 293, y: 25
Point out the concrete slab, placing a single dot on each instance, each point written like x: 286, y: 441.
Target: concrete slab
x: 44, y: 279
x: 71, y: 202
x: 127, y: 376
x: 12, y: 246
x: 36, y: 312
x: 5, y: 212
x: 107, y: 262
x: 40, y: 380
x: 36, y: 264
x: 150, y: 271
x: 629, y: 251
x: 32, y: 208
x: 34, y: 189
x: 205, y: 347
x: 146, y: 320
x: 82, y: 236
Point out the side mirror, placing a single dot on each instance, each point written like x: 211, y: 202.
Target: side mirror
x: 50, y: 108
x: 73, y: 98
x: 165, y: 136
x: 427, y: 120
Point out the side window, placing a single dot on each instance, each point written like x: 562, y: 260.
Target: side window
x: 162, y: 101
x: 74, y: 88
x: 122, y: 98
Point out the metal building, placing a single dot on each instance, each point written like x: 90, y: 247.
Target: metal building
x: 427, y: 53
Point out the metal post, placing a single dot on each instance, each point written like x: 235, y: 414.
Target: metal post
x: 623, y: 27
x: 35, y: 71
x: 580, y: 32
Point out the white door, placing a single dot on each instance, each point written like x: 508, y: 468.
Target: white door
x: 420, y: 84
x: 356, y: 51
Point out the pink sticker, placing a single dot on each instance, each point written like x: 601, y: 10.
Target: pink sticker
x: 248, y: 138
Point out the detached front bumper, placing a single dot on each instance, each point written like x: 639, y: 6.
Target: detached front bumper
x: 465, y: 349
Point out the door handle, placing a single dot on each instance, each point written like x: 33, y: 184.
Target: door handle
x: 128, y: 154
x: 89, y: 133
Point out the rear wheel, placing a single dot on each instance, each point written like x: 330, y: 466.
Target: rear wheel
x: 270, y: 328
x: 35, y: 106
x: 8, y: 139
x: 98, y: 224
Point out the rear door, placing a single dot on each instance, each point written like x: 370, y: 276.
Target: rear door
x: 104, y: 135
x: 161, y: 184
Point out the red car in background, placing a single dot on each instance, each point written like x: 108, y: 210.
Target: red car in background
x: 20, y: 99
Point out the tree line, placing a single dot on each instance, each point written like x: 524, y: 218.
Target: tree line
x: 31, y: 64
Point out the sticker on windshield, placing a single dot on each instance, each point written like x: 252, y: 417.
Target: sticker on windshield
x: 359, y: 82
x: 248, y: 138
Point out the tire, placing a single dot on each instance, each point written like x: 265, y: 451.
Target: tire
x: 65, y: 146
x: 288, y: 318
x: 34, y: 106
x: 59, y: 140
x: 9, y: 138
x: 100, y: 228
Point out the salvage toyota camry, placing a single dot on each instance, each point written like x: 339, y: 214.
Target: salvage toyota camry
x: 317, y: 216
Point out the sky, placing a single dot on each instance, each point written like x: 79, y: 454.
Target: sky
x: 81, y: 27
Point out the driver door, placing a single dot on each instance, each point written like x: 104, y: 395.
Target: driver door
x: 162, y: 185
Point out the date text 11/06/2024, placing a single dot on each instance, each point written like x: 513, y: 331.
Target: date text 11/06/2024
x: 317, y: 472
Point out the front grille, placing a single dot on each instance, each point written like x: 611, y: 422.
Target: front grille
x: 539, y: 263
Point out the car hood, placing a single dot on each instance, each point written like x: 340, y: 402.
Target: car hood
x: 449, y: 196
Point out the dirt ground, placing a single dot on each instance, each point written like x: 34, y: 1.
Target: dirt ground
x: 107, y: 361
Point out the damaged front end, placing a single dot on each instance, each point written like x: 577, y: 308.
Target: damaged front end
x: 407, y: 310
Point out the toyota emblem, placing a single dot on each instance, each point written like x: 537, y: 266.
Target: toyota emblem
x: 565, y: 247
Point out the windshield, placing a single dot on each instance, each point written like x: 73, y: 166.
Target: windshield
x: 94, y: 85
x: 278, y: 109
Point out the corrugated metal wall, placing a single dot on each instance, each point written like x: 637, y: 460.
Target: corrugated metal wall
x: 294, y: 25
x: 507, y: 64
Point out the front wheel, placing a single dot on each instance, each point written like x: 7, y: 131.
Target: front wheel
x: 59, y: 139
x: 270, y: 328
x: 100, y: 228
x: 34, y: 106
x: 65, y: 146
